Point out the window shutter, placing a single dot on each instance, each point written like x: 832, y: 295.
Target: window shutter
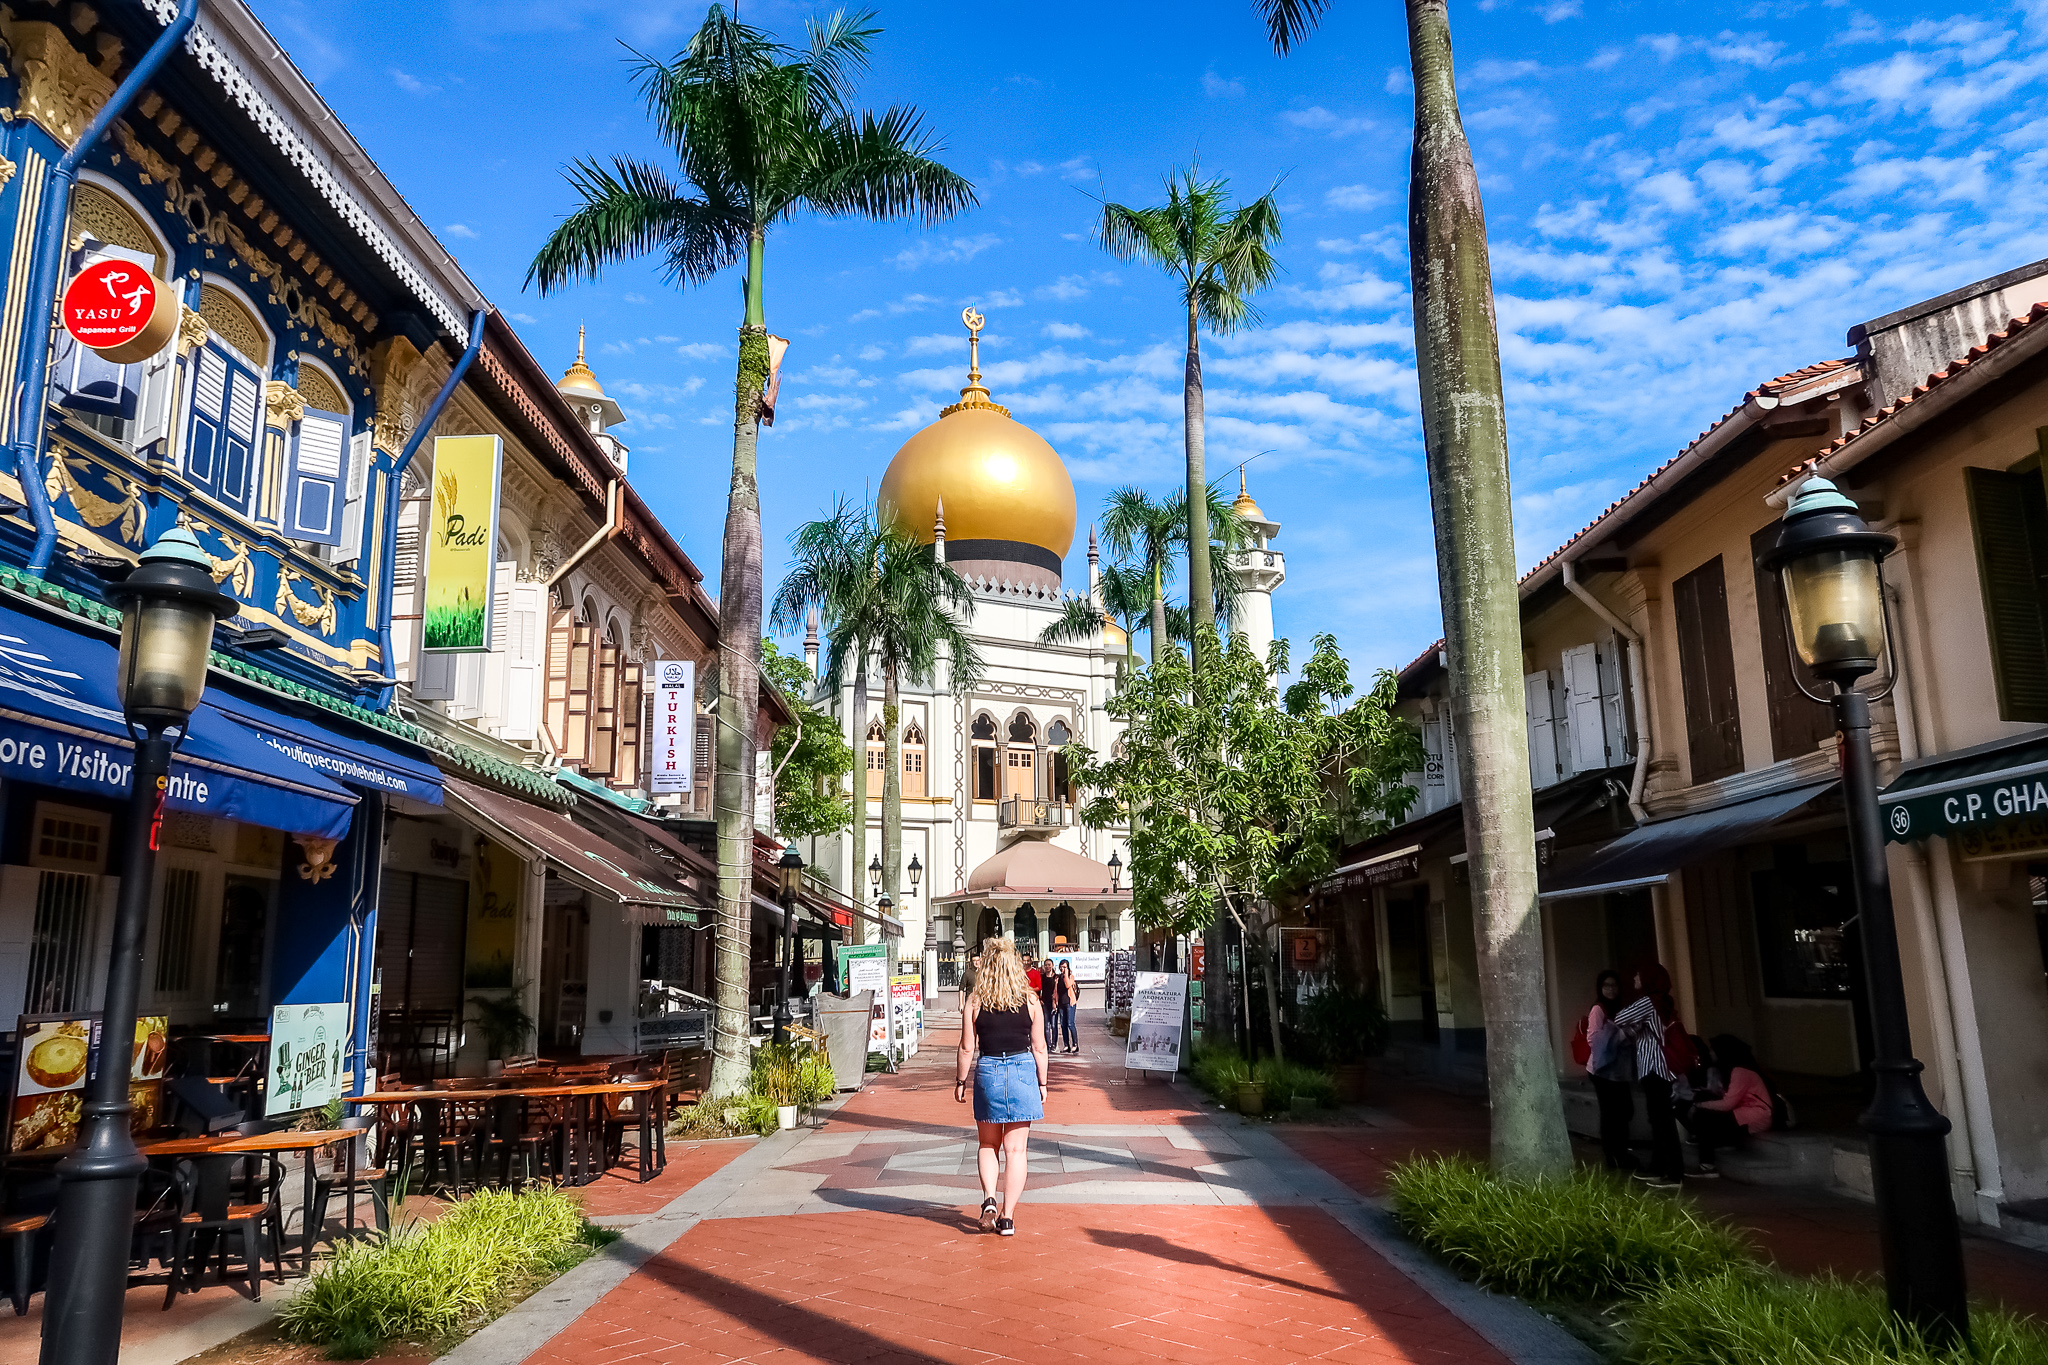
x: 1799, y: 724
x: 226, y: 416
x: 1706, y: 661
x: 350, y: 547
x: 434, y: 676
x: 205, y: 427
x: 523, y: 662
x: 244, y: 429
x: 491, y: 705
x: 317, y: 478
x: 1543, y: 769
x: 2009, y: 512
x: 575, y: 737
x: 626, y: 772
x: 1584, y: 702
x: 561, y: 650
x: 154, y: 423
x: 1614, y: 713
x: 701, y: 778
x: 604, y: 711
x: 83, y: 380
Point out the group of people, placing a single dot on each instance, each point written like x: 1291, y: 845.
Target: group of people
x: 1057, y: 998
x: 1631, y: 1041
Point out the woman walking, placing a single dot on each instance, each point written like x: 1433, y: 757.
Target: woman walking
x: 1611, y: 1067
x: 1663, y: 1049
x: 1003, y: 1055
x: 1048, y: 991
x: 1070, y: 1000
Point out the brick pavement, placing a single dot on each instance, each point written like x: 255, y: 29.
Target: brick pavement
x: 1152, y: 1231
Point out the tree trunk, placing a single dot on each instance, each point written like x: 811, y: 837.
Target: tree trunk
x: 1270, y: 970
x: 892, y: 789
x: 739, y: 695
x: 857, y: 891
x: 1201, y: 594
x: 1158, y: 628
x: 1464, y: 431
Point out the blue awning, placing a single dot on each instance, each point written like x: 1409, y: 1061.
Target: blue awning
x: 61, y: 725
x: 357, y: 762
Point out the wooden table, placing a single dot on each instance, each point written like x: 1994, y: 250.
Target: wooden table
x: 212, y: 1156
x: 579, y: 1164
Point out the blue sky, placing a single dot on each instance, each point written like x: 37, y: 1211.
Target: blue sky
x: 1682, y: 201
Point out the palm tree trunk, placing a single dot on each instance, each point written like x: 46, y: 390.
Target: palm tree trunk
x: 1457, y: 351
x: 892, y: 785
x: 857, y: 888
x: 1201, y: 597
x: 1158, y: 630
x: 739, y: 695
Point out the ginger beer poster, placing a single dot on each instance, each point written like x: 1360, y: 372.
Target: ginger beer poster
x: 462, y: 541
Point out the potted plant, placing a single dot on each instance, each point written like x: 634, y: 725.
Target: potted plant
x: 1251, y: 1098
x: 1347, y: 1025
x: 504, y: 1023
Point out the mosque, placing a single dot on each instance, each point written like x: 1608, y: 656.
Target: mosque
x: 990, y: 812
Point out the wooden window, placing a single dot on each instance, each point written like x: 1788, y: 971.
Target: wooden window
x: 1020, y: 772
x: 877, y: 758
x: 631, y: 718
x: 701, y: 778
x: 604, y: 708
x: 2009, y: 513
x: 913, y: 761
x: 1799, y: 724
x: 1706, y: 667
x: 984, y: 757
x: 568, y: 685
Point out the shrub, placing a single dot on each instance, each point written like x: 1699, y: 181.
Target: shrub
x: 731, y: 1116
x: 1344, y: 1024
x: 1287, y: 1080
x: 791, y: 1073
x: 428, y: 1282
x: 1759, y: 1317
x: 1582, y: 1238
x: 1218, y: 1071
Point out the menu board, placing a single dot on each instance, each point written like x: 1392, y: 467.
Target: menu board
x: 59, y: 1055
x: 906, y: 1012
x: 1157, y: 999
x: 866, y: 967
x: 307, y: 1046
x: 1087, y: 966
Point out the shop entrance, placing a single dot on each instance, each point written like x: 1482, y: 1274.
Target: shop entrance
x: 238, y: 992
x: 1411, y: 973
x: 564, y: 971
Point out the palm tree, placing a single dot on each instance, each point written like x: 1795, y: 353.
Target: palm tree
x: 1218, y: 256
x: 760, y: 131
x: 1133, y: 524
x: 1464, y: 434
x: 881, y: 591
x: 1123, y: 594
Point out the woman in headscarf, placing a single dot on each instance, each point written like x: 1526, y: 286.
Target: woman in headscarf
x: 1611, y: 1067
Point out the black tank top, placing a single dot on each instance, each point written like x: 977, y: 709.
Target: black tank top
x: 1002, y: 1031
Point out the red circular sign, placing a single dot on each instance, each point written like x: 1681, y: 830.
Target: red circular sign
x: 109, y: 304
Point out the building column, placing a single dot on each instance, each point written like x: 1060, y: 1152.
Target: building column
x: 1674, y: 945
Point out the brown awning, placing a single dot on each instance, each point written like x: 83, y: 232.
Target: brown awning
x: 648, y: 891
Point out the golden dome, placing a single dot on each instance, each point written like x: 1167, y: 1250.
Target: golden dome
x: 998, y: 480
x: 579, y: 385
x: 1115, y: 640
x: 1244, y: 506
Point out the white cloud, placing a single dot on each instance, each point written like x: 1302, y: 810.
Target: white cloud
x: 909, y: 303
x: 1560, y: 10
x: 1317, y: 119
x: 704, y: 350
x: 871, y: 353
x: 1078, y: 168
x: 461, y: 230
x: 1355, y: 198
x: 1066, y: 331
x: 1067, y: 288
x: 633, y: 298
x: 527, y: 318
x: 930, y: 250
x: 1215, y: 86
x: 411, y: 84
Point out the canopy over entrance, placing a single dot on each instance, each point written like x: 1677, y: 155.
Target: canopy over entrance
x: 1037, y: 871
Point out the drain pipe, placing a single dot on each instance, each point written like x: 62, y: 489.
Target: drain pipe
x: 393, y: 482
x: 1635, y: 687
x: 52, y: 215
x: 614, y: 520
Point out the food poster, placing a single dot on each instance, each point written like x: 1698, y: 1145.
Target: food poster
x: 906, y: 1011
x: 58, y: 1060
x: 308, y: 1044
x: 494, y: 877
x: 462, y: 543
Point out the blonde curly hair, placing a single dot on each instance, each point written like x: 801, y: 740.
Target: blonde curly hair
x: 1001, y: 984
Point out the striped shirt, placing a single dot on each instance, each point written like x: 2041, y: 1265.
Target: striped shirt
x: 1641, y: 1022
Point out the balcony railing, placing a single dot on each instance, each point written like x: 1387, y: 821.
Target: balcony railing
x: 1025, y: 812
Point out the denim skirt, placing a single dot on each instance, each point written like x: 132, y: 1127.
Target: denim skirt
x: 1006, y: 1089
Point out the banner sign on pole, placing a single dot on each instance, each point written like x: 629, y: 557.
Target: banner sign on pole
x: 1158, y: 1000
x: 462, y: 543
x: 1088, y: 967
x: 674, y: 684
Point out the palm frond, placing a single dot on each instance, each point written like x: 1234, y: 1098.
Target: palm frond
x: 839, y: 55
x: 1079, y: 622
x: 1138, y: 235
x: 1290, y: 21
x: 630, y: 210
x: 882, y: 166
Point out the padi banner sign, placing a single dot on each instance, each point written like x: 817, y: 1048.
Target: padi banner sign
x: 462, y: 543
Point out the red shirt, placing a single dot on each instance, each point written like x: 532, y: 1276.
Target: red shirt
x: 1036, y: 979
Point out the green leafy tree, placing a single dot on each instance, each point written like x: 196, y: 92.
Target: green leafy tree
x: 1245, y: 798
x: 1218, y: 256
x: 1464, y: 437
x: 760, y: 132
x: 809, y: 757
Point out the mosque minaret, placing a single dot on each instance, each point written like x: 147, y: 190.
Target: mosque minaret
x: 1258, y: 568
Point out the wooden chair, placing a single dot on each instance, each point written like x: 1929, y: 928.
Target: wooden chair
x: 250, y: 1221
x: 20, y: 1234
x: 466, y: 1128
x: 689, y: 1073
x: 620, y: 1113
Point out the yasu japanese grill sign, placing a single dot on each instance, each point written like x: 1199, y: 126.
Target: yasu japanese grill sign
x: 120, y: 310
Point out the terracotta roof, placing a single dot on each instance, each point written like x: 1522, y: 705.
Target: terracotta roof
x: 1955, y: 369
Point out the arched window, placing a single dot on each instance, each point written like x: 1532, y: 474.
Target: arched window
x: 913, y: 761
x: 877, y: 756
x: 1020, y: 759
x: 985, y: 757
x: 1057, y: 734
x: 1057, y: 737
x: 224, y: 415
x: 129, y: 404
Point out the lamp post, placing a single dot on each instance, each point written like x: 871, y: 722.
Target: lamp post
x: 791, y: 867
x: 169, y: 605
x: 1830, y: 564
x: 882, y: 907
x: 916, y: 870
x: 1116, y: 873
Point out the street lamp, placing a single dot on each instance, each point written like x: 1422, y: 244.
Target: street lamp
x: 169, y: 605
x: 791, y: 868
x: 916, y: 871
x: 1116, y: 873
x: 875, y: 873
x: 1830, y: 564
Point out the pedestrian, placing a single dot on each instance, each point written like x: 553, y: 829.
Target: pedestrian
x: 1069, y: 1004
x: 1610, y: 1065
x: 970, y: 976
x: 1002, y: 1052
x: 1033, y: 974
x: 1742, y: 1108
x: 1663, y: 1049
x: 1049, y: 1006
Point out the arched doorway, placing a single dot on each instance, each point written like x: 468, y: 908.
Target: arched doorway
x: 1024, y: 928
x: 987, y: 927
x: 1064, y: 925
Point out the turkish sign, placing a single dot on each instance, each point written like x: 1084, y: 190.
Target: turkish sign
x: 1157, y: 1002
x: 1960, y: 806
x: 674, y: 685
x: 462, y: 543
x: 119, y: 309
x: 306, y: 1047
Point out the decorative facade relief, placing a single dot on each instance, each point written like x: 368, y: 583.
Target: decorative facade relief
x: 60, y: 89
x: 282, y: 405
x: 321, y: 613
x: 93, y: 509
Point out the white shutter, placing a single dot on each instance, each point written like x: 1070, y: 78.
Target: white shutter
x: 433, y: 676
x: 1613, y: 718
x: 316, y: 476
x: 1589, y: 737
x: 17, y: 928
x: 154, y: 424
x: 350, y: 547
x: 523, y: 640
x: 491, y: 702
x: 1542, y: 730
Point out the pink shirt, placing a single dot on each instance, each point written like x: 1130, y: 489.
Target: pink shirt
x: 1747, y: 1098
